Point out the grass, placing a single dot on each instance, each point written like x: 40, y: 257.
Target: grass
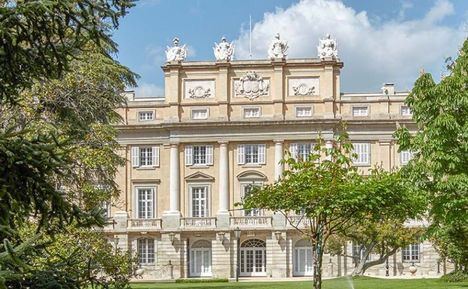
x: 340, y: 283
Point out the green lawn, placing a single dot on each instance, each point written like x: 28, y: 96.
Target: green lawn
x: 360, y: 283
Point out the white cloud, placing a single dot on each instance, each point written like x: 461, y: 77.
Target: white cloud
x: 373, y: 53
x: 145, y: 89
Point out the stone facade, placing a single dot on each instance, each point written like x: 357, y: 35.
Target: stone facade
x: 221, y: 128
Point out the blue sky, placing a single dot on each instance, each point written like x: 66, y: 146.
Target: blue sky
x: 379, y: 41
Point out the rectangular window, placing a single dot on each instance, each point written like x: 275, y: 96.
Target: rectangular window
x: 198, y: 155
x: 303, y: 111
x: 251, y: 154
x: 362, y: 153
x: 405, y: 157
x: 246, y: 189
x: 145, y: 203
x: 360, y: 111
x: 411, y: 253
x: 145, y: 250
x: 252, y: 112
x: 145, y: 115
x: 201, y: 113
x: 145, y: 156
x: 199, y: 201
x: 300, y: 151
x: 358, y: 252
x: 406, y: 110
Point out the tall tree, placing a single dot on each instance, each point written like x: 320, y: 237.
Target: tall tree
x: 60, y: 156
x: 38, y: 39
x: 440, y: 148
x: 330, y: 194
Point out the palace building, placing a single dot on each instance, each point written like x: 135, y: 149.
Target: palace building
x: 222, y: 127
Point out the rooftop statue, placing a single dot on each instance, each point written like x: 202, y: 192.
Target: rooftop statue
x: 327, y: 48
x: 176, y: 52
x: 278, y: 48
x: 223, y: 51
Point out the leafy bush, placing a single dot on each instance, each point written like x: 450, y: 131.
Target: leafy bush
x: 457, y: 276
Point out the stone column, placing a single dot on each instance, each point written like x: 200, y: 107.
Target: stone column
x: 171, y: 218
x: 223, y: 189
x: 174, y: 179
x: 223, y: 179
x: 278, y: 158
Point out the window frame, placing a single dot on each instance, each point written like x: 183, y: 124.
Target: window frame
x: 408, y: 254
x: 245, y: 184
x: 207, y: 209
x: 409, y: 113
x: 251, y: 108
x: 402, y: 158
x: 145, y: 112
x: 194, y: 110
x: 153, y: 201
x: 355, y: 160
x: 148, y: 258
x: 303, y: 107
x: 355, y: 107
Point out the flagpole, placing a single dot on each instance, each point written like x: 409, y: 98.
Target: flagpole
x: 250, y: 36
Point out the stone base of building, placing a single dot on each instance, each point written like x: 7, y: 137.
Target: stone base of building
x: 263, y: 254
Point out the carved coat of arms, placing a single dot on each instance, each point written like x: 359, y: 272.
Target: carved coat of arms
x: 251, y: 86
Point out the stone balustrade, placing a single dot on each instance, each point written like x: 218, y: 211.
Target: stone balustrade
x: 207, y: 222
x: 251, y: 221
x: 144, y: 224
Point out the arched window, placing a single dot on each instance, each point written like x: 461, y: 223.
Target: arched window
x: 253, y: 258
x: 200, y: 259
x: 303, y: 262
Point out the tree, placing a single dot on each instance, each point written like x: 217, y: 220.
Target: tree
x: 330, y: 194
x: 65, y: 129
x: 38, y: 39
x: 440, y: 148
x: 382, y: 238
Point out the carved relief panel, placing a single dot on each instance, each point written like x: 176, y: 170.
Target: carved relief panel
x: 304, y: 86
x: 251, y: 86
x: 197, y: 89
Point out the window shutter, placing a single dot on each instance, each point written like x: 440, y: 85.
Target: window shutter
x: 365, y: 152
x: 209, y: 155
x: 188, y: 155
x: 241, y: 154
x: 155, y: 156
x: 261, y: 154
x: 135, y: 157
x: 293, y: 150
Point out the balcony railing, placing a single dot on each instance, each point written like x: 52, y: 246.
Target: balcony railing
x: 149, y: 224
x: 208, y: 222
x: 298, y: 221
x: 251, y: 221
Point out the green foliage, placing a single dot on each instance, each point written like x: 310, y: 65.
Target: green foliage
x: 333, y: 196
x: 60, y: 157
x: 456, y: 276
x: 440, y: 146
x: 38, y: 39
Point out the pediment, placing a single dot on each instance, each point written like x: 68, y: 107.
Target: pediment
x: 251, y: 175
x: 199, y: 177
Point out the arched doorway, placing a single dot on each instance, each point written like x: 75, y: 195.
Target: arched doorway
x: 200, y: 259
x: 303, y: 263
x: 253, y: 258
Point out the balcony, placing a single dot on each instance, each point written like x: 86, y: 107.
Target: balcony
x: 298, y: 221
x: 144, y: 224
x: 251, y: 222
x: 198, y: 223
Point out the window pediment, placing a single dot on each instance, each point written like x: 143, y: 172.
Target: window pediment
x: 251, y: 175
x: 199, y: 177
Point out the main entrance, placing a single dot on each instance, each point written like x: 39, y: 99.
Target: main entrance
x: 253, y: 258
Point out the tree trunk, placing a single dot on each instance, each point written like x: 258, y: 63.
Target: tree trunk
x: 363, y: 264
x: 317, y: 254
